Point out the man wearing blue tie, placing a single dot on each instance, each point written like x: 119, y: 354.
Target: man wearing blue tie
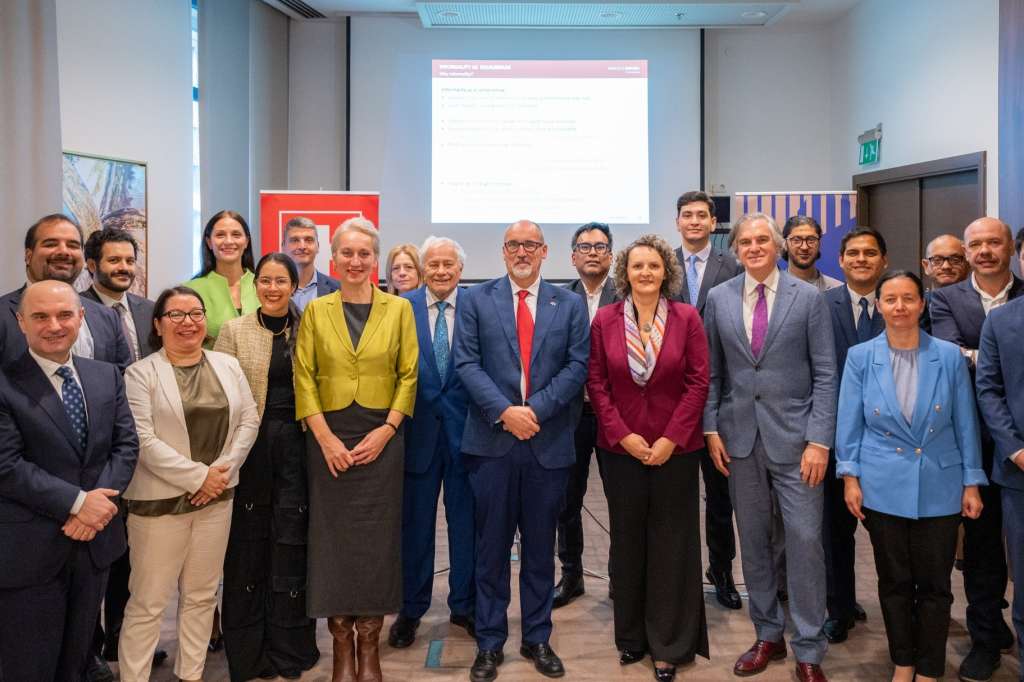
x: 433, y: 453
x: 522, y: 352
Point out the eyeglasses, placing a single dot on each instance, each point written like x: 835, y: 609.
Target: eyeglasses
x: 531, y: 246
x: 800, y: 241
x: 599, y: 248
x: 274, y: 281
x: 178, y: 316
x: 955, y: 260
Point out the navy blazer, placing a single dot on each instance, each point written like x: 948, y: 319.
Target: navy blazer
x: 608, y: 293
x: 999, y: 379
x: 141, y: 310
x: 721, y: 267
x: 956, y: 312
x: 914, y: 470
x: 104, y: 325
x: 325, y: 284
x: 844, y: 327
x: 440, y: 400
x: 486, y: 356
x: 43, y: 468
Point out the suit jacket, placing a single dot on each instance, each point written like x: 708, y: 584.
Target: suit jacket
x: 844, y: 327
x: 43, y: 468
x: 325, y: 284
x: 104, y: 325
x: 910, y: 470
x: 166, y: 468
x: 999, y: 378
x: 331, y: 374
x: 141, y: 310
x: 608, y: 293
x: 957, y: 315
x: 721, y: 267
x: 788, y: 394
x: 440, y: 400
x: 252, y: 345
x: 672, y: 402
x: 486, y: 356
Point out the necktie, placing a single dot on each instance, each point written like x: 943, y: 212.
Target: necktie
x: 693, y: 280
x: 760, y: 325
x: 863, y: 322
x: 441, y: 339
x: 129, y: 331
x: 74, y: 405
x: 524, y: 328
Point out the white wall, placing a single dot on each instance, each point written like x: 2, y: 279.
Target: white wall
x: 126, y: 91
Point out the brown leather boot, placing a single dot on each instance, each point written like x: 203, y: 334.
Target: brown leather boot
x: 368, y: 637
x: 344, y: 648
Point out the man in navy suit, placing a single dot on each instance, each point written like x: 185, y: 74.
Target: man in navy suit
x: 301, y: 242
x: 958, y: 312
x: 705, y: 267
x: 862, y: 257
x: 433, y: 452
x: 1000, y: 375
x: 53, y: 250
x: 522, y: 354
x: 67, y: 449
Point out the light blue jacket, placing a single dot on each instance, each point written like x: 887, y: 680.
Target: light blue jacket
x: 911, y: 470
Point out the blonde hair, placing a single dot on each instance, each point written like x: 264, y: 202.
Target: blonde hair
x: 360, y: 225
x: 413, y: 253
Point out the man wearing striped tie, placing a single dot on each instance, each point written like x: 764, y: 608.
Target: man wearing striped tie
x: 769, y: 423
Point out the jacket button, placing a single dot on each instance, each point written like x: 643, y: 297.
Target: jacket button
x: 888, y: 435
x: 757, y: 397
x: 899, y: 449
x: 917, y: 451
x: 931, y: 430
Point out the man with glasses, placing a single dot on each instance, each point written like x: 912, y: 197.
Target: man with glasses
x: 592, y: 258
x: 945, y: 261
x: 302, y: 244
x: 521, y: 352
x: 704, y: 267
x: 803, y: 249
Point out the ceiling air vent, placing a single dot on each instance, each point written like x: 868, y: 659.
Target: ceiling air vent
x: 302, y: 9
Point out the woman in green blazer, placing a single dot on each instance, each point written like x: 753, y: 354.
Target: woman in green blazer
x: 356, y: 363
x: 226, y: 281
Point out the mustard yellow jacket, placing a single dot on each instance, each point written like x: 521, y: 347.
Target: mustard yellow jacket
x: 330, y: 374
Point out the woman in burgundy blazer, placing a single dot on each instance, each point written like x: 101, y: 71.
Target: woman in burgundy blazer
x: 648, y: 381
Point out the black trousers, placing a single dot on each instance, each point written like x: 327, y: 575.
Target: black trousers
x: 109, y: 630
x: 655, y: 524
x: 570, y: 520
x: 914, y: 559
x: 840, y: 527
x: 264, y: 620
x: 46, y: 630
x: 718, y: 529
x: 985, y: 572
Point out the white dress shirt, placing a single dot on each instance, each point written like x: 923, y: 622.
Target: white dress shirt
x: 449, y: 313
x: 701, y: 264
x: 771, y: 286
x: 855, y: 302
x: 593, y: 298
x: 127, y: 321
x: 531, y: 304
x: 50, y: 368
x: 990, y: 302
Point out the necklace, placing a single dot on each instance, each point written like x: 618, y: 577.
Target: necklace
x: 259, y: 318
x: 647, y: 327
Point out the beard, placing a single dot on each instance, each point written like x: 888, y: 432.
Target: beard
x: 50, y: 272
x: 107, y: 281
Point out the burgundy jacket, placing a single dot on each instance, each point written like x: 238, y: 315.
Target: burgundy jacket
x: 672, y: 403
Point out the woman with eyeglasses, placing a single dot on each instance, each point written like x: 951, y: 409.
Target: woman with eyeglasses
x: 403, y: 269
x: 196, y: 421
x: 266, y: 630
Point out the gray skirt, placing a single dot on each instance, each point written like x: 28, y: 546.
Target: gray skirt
x: 355, y: 523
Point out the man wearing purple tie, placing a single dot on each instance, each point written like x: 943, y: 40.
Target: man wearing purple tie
x: 769, y: 423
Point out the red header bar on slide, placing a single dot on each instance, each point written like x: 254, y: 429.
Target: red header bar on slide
x: 526, y: 68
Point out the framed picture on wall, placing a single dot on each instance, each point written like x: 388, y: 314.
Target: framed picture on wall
x: 103, y: 192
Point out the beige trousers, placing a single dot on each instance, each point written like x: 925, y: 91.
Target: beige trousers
x: 184, y: 551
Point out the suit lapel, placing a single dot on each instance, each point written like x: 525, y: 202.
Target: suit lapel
x: 501, y: 294
x: 607, y: 293
x: 785, y: 294
x: 736, y: 313
x: 711, y: 269
x: 881, y: 367
x: 139, y: 316
x: 37, y: 386
x: 337, y: 315
x: 928, y: 369
x: 92, y: 390
x: 377, y: 315
x: 844, y: 309
x: 422, y: 316
x: 547, y: 308
x: 169, y: 387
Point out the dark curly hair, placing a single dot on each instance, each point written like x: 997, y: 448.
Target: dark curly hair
x: 673, y: 282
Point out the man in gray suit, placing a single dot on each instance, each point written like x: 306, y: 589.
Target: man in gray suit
x: 769, y: 422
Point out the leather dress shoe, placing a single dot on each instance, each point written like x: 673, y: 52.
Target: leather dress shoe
x: 97, y: 670
x: 838, y: 629
x: 859, y: 613
x: 567, y: 589
x: 630, y: 656
x: 980, y: 665
x: 465, y: 621
x: 810, y: 672
x: 545, y: 660
x: 402, y: 632
x: 725, y: 588
x: 757, y: 657
x: 666, y: 674
x: 485, y: 665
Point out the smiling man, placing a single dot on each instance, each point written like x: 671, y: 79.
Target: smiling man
x: 302, y: 244
x: 803, y: 249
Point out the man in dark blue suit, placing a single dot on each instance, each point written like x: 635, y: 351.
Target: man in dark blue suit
x: 862, y: 257
x: 67, y: 448
x: 301, y: 242
x: 958, y: 312
x: 1001, y: 404
x: 522, y: 354
x: 433, y: 454
x: 53, y: 250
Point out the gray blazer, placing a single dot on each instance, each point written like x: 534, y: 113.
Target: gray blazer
x: 788, y: 394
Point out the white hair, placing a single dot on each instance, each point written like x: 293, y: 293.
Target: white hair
x: 748, y: 218
x: 432, y: 241
x: 362, y: 226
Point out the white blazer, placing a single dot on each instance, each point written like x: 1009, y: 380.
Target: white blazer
x: 165, y: 467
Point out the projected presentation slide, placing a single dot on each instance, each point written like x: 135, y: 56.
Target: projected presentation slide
x: 557, y: 141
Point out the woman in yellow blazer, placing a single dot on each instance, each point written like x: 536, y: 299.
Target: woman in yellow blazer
x: 356, y: 362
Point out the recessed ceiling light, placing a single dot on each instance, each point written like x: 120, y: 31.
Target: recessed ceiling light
x: 754, y: 14
x: 611, y: 15
x: 448, y: 14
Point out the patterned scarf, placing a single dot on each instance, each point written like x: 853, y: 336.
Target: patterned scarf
x: 642, y: 359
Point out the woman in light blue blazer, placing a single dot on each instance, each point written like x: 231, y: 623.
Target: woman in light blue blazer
x: 907, y: 446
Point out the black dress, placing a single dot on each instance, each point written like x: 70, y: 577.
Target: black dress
x: 266, y: 629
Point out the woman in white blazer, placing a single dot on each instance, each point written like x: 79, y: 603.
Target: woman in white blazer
x: 196, y: 420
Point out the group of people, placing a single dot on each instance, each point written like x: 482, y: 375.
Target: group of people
x: 284, y: 437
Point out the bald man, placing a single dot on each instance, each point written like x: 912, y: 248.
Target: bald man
x: 958, y: 312
x: 67, y: 449
x: 945, y: 261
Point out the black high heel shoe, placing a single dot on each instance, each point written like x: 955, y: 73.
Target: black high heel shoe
x: 628, y: 656
x: 665, y: 674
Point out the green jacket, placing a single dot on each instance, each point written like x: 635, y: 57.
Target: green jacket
x: 216, y: 294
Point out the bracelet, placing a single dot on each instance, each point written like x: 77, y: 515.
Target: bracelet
x: 387, y: 423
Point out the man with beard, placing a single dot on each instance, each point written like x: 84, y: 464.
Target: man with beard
x: 945, y: 261
x: 302, y: 244
x: 803, y: 248
x: 53, y: 250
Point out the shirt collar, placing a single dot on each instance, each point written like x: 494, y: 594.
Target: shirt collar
x: 771, y: 282
x: 50, y: 367
x: 534, y: 288
x: 701, y: 255
x: 433, y: 300
x: 106, y: 300
x: 598, y: 291
x: 855, y: 297
x: 312, y: 283
x: 1001, y: 295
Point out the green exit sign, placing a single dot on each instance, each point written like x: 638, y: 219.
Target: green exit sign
x: 869, y: 152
